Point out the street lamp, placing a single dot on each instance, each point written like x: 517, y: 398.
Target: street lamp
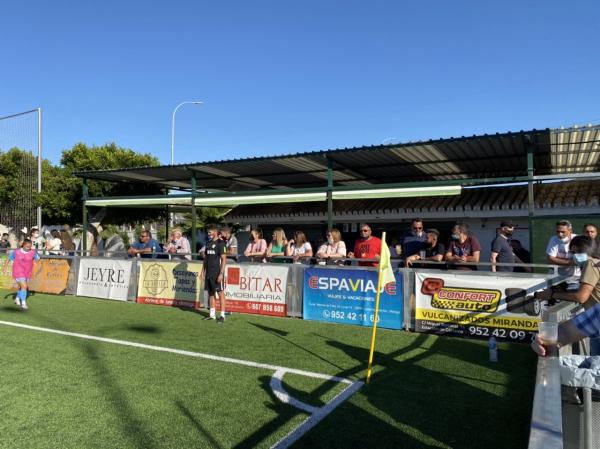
x: 173, y: 128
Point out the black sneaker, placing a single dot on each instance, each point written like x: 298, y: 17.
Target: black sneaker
x: 207, y: 318
x: 221, y: 320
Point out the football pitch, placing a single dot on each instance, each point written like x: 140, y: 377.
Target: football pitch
x: 87, y: 373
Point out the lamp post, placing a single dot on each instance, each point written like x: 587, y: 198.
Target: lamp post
x: 173, y: 128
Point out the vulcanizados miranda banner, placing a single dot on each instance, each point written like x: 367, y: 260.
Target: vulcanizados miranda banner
x: 477, y: 306
x: 171, y: 283
x: 104, y: 278
x: 348, y: 296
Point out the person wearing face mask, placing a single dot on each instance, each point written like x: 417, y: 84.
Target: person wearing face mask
x: 37, y: 241
x: 558, y: 251
x: 23, y: 259
x: 333, y: 249
x: 585, y: 256
x: 431, y: 250
x: 462, y: 248
x: 502, y: 251
x: 412, y: 242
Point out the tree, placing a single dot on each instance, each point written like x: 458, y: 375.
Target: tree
x: 61, y: 196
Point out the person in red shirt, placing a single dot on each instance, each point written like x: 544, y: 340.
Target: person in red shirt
x: 367, y: 247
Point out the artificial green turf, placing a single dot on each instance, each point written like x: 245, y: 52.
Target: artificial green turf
x: 426, y: 391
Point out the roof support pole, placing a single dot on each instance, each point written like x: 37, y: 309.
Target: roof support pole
x: 194, y: 224
x: 530, y: 147
x: 84, y: 197
x: 329, y: 193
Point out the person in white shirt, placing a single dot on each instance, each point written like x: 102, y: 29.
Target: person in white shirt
x: 299, y: 248
x: 334, y: 248
x: 557, y: 251
x: 54, y: 244
x: 178, y: 245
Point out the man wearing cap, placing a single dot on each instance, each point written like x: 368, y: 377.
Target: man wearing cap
x: 502, y: 251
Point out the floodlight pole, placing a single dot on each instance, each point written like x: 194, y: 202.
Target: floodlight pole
x: 173, y: 127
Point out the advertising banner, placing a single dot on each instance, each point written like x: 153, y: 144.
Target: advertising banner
x: 348, y: 296
x: 50, y: 276
x: 177, y: 283
x: 6, y: 280
x: 104, y: 278
x: 259, y: 289
x: 477, y: 306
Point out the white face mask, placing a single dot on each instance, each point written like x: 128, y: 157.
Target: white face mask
x: 565, y: 239
x: 330, y: 240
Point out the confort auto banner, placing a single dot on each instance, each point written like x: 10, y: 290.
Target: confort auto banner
x: 171, y: 283
x: 348, y: 296
x: 257, y: 289
x: 477, y: 306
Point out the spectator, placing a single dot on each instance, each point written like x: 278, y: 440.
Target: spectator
x: 558, y: 252
x: 367, y: 247
x: 68, y: 245
x: 276, y: 249
x: 395, y: 249
x: 591, y: 230
x: 37, y: 241
x: 522, y: 255
x: 431, y: 250
x: 502, y: 251
x: 463, y: 248
x: 586, y: 324
x: 584, y: 255
x: 4, y: 243
x: 299, y: 248
x: 54, y: 243
x: 334, y: 249
x: 178, y: 245
x: 231, y: 243
x: 412, y: 242
x: 146, y: 247
x: 257, y: 248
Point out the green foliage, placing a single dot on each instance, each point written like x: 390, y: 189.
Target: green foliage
x: 62, y: 192
x: 110, y: 230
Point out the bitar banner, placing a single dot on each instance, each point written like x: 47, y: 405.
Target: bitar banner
x: 259, y: 289
x: 477, y: 306
x: 50, y: 276
x: 348, y: 296
x: 171, y: 283
x: 104, y: 278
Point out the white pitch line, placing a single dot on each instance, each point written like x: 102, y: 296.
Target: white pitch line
x: 317, y: 413
x: 317, y: 417
x: 181, y: 352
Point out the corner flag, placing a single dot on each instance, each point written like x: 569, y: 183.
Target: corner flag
x: 385, y: 275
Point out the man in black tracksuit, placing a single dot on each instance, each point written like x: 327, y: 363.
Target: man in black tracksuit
x: 215, y: 260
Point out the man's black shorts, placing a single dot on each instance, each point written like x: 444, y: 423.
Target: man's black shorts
x: 211, y: 285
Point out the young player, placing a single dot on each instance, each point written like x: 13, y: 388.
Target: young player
x: 23, y: 259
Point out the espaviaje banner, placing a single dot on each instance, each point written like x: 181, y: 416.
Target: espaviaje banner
x: 348, y: 296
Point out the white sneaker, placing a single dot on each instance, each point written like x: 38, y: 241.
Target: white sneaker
x: 17, y: 301
x: 24, y: 305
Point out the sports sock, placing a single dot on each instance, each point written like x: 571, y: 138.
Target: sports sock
x: 213, y: 312
x: 23, y: 295
x: 223, y: 314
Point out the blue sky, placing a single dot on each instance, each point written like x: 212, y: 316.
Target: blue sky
x: 279, y: 77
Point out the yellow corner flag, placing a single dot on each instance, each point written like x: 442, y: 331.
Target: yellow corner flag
x: 385, y: 275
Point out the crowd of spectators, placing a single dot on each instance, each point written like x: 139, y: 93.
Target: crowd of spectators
x: 418, y: 247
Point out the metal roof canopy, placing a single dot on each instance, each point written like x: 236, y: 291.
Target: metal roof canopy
x: 555, y: 152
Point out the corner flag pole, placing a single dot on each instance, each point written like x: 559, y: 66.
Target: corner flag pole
x: 376, y: 317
